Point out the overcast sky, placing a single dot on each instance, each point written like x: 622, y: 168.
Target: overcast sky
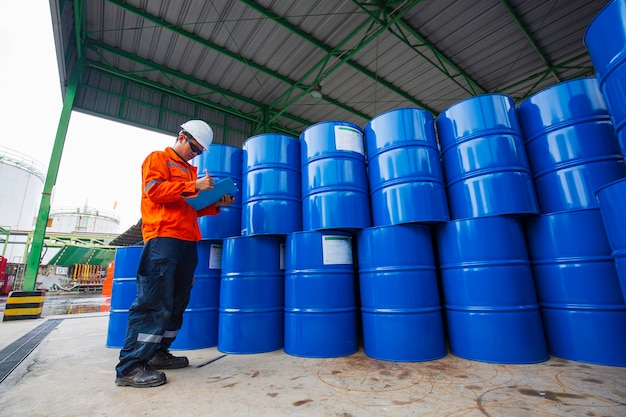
x: 101, y: 162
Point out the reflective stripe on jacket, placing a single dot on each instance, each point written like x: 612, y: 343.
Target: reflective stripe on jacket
x: 167, y: 179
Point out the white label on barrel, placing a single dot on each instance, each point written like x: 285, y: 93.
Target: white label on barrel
x: 348, y: 139
x: 337, y: 250
x: 215, y: 257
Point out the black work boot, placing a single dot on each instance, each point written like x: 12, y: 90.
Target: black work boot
x: 163, y: 359
x: 141, y: 375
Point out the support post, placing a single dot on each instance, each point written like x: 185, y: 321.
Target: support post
x: 32, y: 265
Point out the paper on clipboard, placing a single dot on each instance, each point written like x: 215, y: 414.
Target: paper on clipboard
x: 208, y: 197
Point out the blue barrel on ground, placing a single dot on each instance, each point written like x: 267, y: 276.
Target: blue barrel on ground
x: 335, y: 192
x: 484, y: 160
x: 123, y: 293
x: 200, y: 319
x: 583, y: 310
x: 605, y: 39
x: 571, y: 145
x: 320, y: 295
x: 400, y: 306
x: 405, y: 177
x: 251, y: 318
x: 222, y: 161
x: 271, y: 185
x: 489, y: 295
x: 612, y: 201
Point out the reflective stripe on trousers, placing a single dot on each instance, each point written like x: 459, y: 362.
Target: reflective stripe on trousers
x: 164, y: 280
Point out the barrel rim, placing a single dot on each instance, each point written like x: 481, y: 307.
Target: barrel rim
x: 555, y: 213
x: 271, y: 135
x: 371, y: 229
x: 330, y: 122
x: 608, y: 185
x: 397, y: 110
x: 555, y: 86
x: 498, y: 217
x: 477, y: 97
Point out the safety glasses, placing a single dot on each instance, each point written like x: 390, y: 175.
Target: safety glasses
x: 194, y: 148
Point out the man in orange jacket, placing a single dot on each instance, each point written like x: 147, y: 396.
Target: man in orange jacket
x: 169, y: 257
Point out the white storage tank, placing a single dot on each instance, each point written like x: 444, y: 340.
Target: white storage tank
x: 83, y: 220
x: 21, y: 184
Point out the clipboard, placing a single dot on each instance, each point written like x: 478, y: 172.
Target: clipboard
x: 208, y: 197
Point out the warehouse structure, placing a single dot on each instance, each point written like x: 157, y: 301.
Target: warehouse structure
x: 360, y: 91
x: 250, y: 67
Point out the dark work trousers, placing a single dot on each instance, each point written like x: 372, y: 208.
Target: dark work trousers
x: 164, y: 280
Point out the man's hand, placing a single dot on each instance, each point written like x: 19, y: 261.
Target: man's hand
x: 226, y: 200
x: 205, y: 183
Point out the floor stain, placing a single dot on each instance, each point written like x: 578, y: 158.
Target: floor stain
x: 301, y: 402
x: 592, y: 380
x: 549, y: 395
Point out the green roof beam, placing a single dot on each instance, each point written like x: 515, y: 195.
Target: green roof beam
x: 440, y: 61
x: 522, y: 26
x: 344, y: 56
x: 179, y: 92
x: 281, y: 21
x: 178, y: 30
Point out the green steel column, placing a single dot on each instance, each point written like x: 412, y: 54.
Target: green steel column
x: 32, y: 265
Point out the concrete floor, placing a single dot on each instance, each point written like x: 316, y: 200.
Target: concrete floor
x: 71, y: 373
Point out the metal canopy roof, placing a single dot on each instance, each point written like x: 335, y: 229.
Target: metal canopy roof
x: 248, y: 67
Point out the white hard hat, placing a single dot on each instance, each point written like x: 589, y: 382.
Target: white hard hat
x: 200, y: 131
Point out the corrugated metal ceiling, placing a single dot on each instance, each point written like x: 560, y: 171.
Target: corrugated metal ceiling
x: 249, y: 66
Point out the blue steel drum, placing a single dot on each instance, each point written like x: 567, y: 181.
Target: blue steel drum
x: 570, y: 144
x: 405, y: 177
x: 320, y: 295
x: 400, y: 307
x: 222, y: 161
x: 335, y: 191
x: 200, y: 318
x: 251, y: 295
x: 490, y: 301
x: 605, y: 40
x: 271, y: 185
x: 484, y: 159
x: 123, y: 293
x: 612, y: 201
x: 583, y: 309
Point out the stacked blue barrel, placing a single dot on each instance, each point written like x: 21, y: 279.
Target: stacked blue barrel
x: 612, y: 200
x: 605, y: 40
x: 251, y: 295
x: 404, y: 171
x: 123, y: 293
x: 200, y: 319
x: 320, y: 287
x: 335, y: 191
x: 271, y: 185
x: 573, y: 152
x: 222, y: 161
x: 320, y: 298
x: 251, y: 314
x: 400, y: 305
x: 490, y: 300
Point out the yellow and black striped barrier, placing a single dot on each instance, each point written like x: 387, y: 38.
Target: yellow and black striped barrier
x: 23, y: 305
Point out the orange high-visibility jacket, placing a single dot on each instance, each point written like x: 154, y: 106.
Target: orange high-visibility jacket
x: 167, y: 180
